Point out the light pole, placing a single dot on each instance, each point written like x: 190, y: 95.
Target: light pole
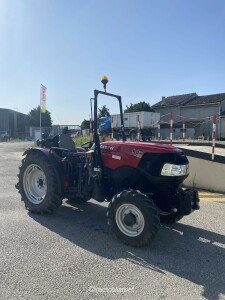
x: 15, y: 120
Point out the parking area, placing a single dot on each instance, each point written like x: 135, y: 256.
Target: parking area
x: 72, y: 255
x: 209, y: 196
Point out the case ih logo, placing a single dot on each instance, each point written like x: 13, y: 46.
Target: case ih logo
x: 104, y: 147
x: 137, y: 153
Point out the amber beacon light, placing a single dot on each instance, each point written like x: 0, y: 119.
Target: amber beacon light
x: 104, y: 80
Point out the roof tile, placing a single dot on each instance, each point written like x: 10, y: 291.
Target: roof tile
x: 175, y: 100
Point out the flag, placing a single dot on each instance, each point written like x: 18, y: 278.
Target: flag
x: 43, y: 98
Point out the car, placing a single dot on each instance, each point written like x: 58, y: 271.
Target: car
x: 4, y: 134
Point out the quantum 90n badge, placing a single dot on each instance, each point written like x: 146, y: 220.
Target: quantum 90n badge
x: 106, y: 147
x: 137, y: 153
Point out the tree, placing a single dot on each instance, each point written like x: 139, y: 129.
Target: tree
x: 103, y: 112
x: 140, y: 106
x: 85, y: 124
x: 21, y: 120
x: 33, y: 118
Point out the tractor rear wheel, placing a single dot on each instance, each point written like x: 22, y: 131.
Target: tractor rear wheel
x: 133, y: 218
x: 38, y: 184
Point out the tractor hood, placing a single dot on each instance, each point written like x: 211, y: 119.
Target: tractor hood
x: 118, y: 153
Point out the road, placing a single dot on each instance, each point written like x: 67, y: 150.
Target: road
x: 72, y: 255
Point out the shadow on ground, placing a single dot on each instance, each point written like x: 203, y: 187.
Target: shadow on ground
x: 191, y: 253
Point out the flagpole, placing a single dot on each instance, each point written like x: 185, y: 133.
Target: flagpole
x: 42, y: 103
x: 40, y: 112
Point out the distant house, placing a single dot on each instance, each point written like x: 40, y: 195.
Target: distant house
x: 196, y: 111
x: 13, y: 122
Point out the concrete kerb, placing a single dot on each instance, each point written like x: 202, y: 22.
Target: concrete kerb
x: 204, y: 173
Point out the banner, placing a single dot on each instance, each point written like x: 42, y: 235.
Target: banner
x: 43, y: 98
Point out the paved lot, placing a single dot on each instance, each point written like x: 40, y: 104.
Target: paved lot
x: 72, y: 255
x: 205, y: 149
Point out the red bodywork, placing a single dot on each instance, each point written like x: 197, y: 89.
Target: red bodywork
x: 117, y: 153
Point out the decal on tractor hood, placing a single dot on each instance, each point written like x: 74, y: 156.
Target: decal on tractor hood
x: 105, y: 147
x: 116, y: 157
x: 137, y: 153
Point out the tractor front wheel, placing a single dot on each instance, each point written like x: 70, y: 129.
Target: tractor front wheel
x: 133, y: 218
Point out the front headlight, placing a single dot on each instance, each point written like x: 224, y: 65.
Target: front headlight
x: 174, y: 170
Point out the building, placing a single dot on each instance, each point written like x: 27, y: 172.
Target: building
x: 13, y: 122
x: 222, y: 126
x: 195, y: 111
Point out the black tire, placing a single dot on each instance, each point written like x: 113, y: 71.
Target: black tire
x: 170, y: 218
x: 133, y: 135
x: 38, y: 184
x: 141, y: 211
x: 173, y: 217
x: 76, y: 200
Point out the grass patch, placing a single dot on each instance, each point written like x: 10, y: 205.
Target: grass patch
x: 81, y: 140
x: 12, y: 140
x: 85, y: 139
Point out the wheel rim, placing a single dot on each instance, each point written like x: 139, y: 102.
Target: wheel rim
x: 35, y: 184
x: 130, y: 230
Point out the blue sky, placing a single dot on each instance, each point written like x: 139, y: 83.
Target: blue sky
x: 148, y: 49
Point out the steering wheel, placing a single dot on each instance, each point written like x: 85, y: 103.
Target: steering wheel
x: 89, y: 145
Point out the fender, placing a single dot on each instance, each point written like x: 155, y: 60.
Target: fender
x: 127, y: 177
x: 56, y: 164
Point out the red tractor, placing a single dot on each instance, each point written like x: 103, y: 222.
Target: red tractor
x: 142, y: 181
